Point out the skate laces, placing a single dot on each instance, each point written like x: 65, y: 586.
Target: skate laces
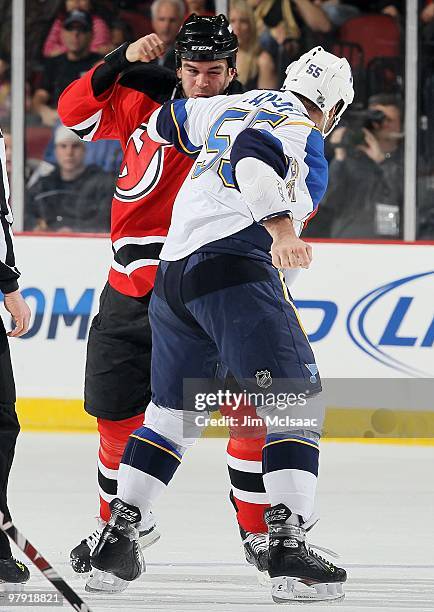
x: 307, y: 526
x: 327, y: 551
x: 257, y: 541
x: 93, y: 539
x: 300, y: 534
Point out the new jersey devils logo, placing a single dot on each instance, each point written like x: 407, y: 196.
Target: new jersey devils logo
x: 142, y: 167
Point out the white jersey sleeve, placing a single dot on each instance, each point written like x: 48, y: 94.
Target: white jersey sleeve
x: 294, y: 150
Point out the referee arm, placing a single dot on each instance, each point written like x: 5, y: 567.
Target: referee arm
x: 13, y: 300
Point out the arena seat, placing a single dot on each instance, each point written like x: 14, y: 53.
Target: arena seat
x: 376, y: 35
x: 353, y: 52
x: 37, y: 139
x: 139, y: 23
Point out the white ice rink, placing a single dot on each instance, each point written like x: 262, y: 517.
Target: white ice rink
x: 377, y: 510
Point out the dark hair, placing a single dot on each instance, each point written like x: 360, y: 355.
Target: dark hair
x: 308, y: 104
x: 124, y: 26
x: 386, y: 99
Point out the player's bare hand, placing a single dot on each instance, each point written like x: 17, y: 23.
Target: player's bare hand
x: 145, y: 49
x: 287, y: 249
x: 17, y: 307
x: 291, y: 252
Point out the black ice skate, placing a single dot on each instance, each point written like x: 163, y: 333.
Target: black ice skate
x: 255, y: 549
x: 80, y: 555
x: 117, y: 559
x: 13, y: 574
x: 297, y: 573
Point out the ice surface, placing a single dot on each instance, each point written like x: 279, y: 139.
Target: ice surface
x: 377, y: 510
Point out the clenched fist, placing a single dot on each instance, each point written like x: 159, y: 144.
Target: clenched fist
x: 145, y: 49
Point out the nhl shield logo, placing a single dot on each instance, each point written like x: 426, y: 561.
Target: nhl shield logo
x: 263, y: 379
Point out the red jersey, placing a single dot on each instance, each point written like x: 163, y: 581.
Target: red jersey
x: 150, y: 175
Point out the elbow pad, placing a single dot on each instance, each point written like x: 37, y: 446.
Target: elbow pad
x: 262, y: 188
x: 152, y: 128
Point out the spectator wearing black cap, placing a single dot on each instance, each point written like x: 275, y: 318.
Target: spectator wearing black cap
x: 101, y: 39
x: 60, y: 71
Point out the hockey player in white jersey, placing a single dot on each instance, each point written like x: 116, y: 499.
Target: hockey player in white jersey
x: 219, y: 296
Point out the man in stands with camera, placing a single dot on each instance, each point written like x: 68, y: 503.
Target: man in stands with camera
x: 365, y: 194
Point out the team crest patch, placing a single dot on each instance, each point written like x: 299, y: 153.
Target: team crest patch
x: 313, y: 369
x: 263, y: 379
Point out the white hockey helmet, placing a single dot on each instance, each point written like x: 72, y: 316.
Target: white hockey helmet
x: 323, y: 78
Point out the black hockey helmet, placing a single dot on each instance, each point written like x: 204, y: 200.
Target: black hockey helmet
x: 204, y: 39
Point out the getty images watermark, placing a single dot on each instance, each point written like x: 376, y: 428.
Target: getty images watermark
x: 238, y: 409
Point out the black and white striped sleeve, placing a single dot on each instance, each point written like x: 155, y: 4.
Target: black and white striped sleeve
x: 8, y: 272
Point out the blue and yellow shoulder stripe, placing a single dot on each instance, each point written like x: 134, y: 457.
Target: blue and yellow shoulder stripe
x: 171, y: 126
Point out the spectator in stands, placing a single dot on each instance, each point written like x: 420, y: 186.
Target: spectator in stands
x: 427, y: 30
x: 365, y: 194
x: 337, y: 12
x: 5, y: 87
x: 204, y: 8
x: 394, y: 8
x: 389, y: 133
x: 101, y: 39
x: 425, y: 208
x: 5, y: 90
x: 255, y: 67
x: 427, y: 13
x: 167, y: 18
x: 287, y: 27
x: 39, y: 17
x: 107, y: 154
x: 120, y: 32
x: 34, y: 168
x: 73, y: 197
x: 59, y: 71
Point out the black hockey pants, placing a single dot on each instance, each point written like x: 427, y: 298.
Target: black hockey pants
x: 9, y: 428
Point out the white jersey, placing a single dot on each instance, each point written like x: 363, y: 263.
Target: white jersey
x: 276, y: 130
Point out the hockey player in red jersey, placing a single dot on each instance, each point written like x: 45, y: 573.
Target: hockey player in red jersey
x: 114, y: 101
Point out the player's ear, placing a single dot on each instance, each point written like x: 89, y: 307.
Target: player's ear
x: 232, y: 74
x: 178, y: 72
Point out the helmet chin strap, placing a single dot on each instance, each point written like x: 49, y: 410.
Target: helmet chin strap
x: 336, y: 119
x: 325, y: 115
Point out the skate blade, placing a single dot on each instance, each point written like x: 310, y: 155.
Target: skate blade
x: 149, y: 539
x: 103, y: 582
x: 287, y: 590
x: 263, y: 579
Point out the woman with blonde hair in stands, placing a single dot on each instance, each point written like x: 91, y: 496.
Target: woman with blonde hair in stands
x: 255, y: 67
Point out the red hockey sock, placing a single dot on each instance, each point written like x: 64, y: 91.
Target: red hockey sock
x: 248, y: 492
x: 113, y: 437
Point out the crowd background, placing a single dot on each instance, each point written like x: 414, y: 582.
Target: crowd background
x: 69, y: 183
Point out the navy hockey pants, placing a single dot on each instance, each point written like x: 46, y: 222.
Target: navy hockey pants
x: 212, y: 308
